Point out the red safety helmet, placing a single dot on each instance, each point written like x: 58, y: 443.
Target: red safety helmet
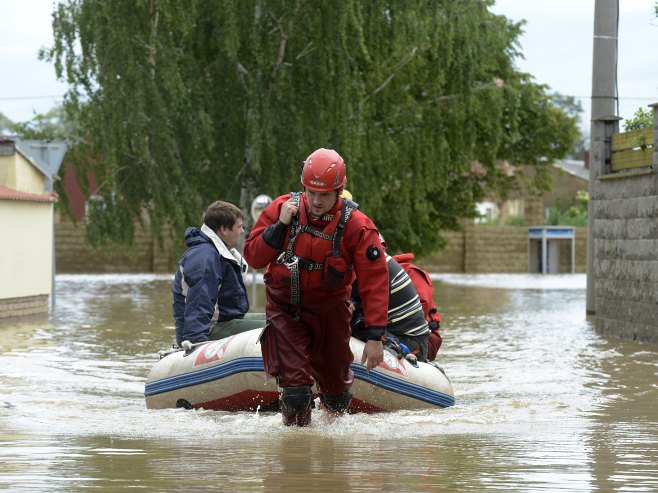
x: 324, y: 170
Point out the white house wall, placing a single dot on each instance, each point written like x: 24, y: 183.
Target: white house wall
x: 26, y: 248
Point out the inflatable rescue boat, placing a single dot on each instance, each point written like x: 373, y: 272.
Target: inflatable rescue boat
x: 228, y: 375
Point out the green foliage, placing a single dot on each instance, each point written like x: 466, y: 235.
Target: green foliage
x: 572, y: 107
x: 569, y: 104
x: 183, y: 103
x: 641, y: 119
x: 579, y: 149
x: 510, y: 221
x: 52, y: 125
x: 515, y: 221
x: 5, y: 124
x: 570, y: 215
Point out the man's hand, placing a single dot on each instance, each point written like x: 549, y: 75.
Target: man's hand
x: 288, y: 210
x: 373, y: 354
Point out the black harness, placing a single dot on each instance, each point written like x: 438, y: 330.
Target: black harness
x: 295, y: 263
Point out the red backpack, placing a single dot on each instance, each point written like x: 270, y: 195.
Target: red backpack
x: 423, y: 284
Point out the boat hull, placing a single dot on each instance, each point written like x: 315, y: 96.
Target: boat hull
x: 228, y: 375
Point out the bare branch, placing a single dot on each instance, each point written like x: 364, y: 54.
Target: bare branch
x: 153, y: 39
x: 496, y: 82
x: 307, y: 49
x: 243, y: 73
x: 282, y: 48
x: 410, y: 56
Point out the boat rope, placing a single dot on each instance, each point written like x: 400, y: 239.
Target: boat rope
x: 186, y: 346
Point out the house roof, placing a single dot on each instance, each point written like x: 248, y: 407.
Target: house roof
x: 574, y: 168
x: 7, y: 193
x: 45, y: 156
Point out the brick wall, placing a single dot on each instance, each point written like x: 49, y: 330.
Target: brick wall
x: 486, y: 249
x: 24, y: 306
x: 626, y: 257
x: 73, y: 255
x: 623, y: 287
x: 477, y: 249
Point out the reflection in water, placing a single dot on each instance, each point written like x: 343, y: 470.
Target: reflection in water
x: 542, y: 403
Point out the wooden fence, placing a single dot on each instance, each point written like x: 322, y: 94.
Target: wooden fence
x: 632, y: 150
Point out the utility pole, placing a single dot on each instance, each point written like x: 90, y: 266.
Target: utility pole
x: 604, y: 99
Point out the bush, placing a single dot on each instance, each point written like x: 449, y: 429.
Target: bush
x: 641, y: 119
x: 573, y: 215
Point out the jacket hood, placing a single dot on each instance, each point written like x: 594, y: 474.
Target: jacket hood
x: 193, y: 237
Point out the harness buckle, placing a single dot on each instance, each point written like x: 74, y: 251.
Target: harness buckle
x: 292, y: 263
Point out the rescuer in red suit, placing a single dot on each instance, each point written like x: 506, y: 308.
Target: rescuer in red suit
x: 314, y: 245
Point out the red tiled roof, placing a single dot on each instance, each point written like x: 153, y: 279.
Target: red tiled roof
x: 7, y: 193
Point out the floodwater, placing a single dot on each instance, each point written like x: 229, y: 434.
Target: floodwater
x: 543, y: 403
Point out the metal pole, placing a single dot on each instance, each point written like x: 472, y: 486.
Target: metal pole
x: 604, y: 98
x: 258, y: 205
x: 53, y: 269
x: 544, y: 252
x: 573, y: 251
x: 253, y: 288
x: 529, y: 255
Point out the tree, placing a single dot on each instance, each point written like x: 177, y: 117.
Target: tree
x: 186, y: 102
x: 572, y: 107
x: 5, y: 123
x: 574, y: 213
x: 52, y: 125
x: 640, y: 119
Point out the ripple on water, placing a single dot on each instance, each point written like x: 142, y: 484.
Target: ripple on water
x: 542, y: 403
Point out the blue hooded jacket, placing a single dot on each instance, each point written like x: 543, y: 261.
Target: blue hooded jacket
x: 208, y: 286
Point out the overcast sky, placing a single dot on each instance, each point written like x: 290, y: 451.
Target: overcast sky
x: 557, y: 45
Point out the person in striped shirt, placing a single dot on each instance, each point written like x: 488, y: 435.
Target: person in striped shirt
x: 407, y: 331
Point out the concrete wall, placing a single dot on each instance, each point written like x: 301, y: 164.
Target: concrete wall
x: 625, y: 237
x: 622, y: 288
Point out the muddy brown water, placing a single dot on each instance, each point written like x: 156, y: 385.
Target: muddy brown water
x: 543, y: 403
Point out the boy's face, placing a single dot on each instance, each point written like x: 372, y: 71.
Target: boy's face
x: 231, y: 236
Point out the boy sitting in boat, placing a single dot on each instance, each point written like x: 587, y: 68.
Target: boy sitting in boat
x: 209, y: 296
